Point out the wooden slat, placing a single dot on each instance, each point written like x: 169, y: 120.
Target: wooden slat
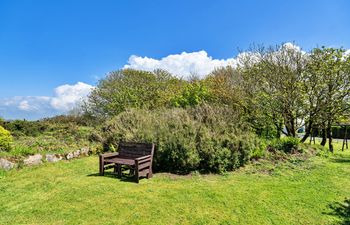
x: 134, y: 151
x: 121, y: 161
x: 135, y: 148
x: 143, y: 145
x: 145, y: 160
x: 146, y: 148
x: 130, y: 156
x: 144, y: 165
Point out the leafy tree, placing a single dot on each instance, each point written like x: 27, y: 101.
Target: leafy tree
x: 329, y: 76
x: 128, y: 88
x: 272, y: 83
x: 222, y: 85
x: 192, y: 94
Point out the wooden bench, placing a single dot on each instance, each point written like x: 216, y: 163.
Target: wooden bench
x: 137, y: 156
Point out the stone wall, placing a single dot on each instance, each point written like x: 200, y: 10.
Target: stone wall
x: 37, y: 159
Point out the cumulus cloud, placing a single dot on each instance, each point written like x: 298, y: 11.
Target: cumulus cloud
x: 24, y: 105
x: 65, y: 98
x: 182, y: 65
x: 194, y: 63
x: 291, y: 46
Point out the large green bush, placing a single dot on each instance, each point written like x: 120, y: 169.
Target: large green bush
x: 286, y: 144
x: 5, y: 139
x: 339, y: 132
x: 205, y: 138
x: 25, y: 128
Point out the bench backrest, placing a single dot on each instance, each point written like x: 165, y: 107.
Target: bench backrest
x: 134, y: 150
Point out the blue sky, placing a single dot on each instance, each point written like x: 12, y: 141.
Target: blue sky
x: 47, y: 47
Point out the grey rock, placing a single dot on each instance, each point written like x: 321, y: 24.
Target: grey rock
x: 84, y: 151
x: 33, y: 160
x: 53, y: 158
x: 69, y: 156
x: 76, y: 153
x: 6, y: 165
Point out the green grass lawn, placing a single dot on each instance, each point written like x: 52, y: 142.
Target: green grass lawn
x: 72, y: 193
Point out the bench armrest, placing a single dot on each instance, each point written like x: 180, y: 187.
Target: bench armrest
x: 142, y: 159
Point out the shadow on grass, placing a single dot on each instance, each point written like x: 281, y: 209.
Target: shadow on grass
x: 341, y: 210
x: 124, y: 178
x: 341, y: 159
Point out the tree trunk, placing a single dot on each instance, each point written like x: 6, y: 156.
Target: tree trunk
x: 279, y: 128
x: 290, y: 128
x: 329, y: 134
x: 324, y: 137
x: 307, y: 132
x: 287, y: 129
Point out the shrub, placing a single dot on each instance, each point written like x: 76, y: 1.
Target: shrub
x: 25, y: 128
x: 193, y: 94
x: 260, y: 150
x: 339, y: 132
x: 5, y: 139
x: 285, y: 144
x: 204, y: 138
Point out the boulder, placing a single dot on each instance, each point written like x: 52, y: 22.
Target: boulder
x: 33, y: 160
x: 84, y: 151
x: 76, y: 153
x: 53, y: 158
x: 6, y: 165
x: 69, y: 156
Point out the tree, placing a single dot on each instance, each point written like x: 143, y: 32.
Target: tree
x: 223, y: 87
x: 328, y: 75
x: 128, y: 88
x: 193, y: 93
x: 273, y: 85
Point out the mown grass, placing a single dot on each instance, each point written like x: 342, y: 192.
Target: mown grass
x: 294, y: 192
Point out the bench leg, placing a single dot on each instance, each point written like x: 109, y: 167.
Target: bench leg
x: 150, y: 173
x: 119, y: 170
x: 137, y: 177
x: 115, y: 168
x: 102, y: 169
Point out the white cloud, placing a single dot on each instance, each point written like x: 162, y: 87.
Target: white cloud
x: 181, y: 65
x: 24, y: 105
x: 64, y: 99
x: 290, y: 46
x: 194, y: 63
x: 67, y: 96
